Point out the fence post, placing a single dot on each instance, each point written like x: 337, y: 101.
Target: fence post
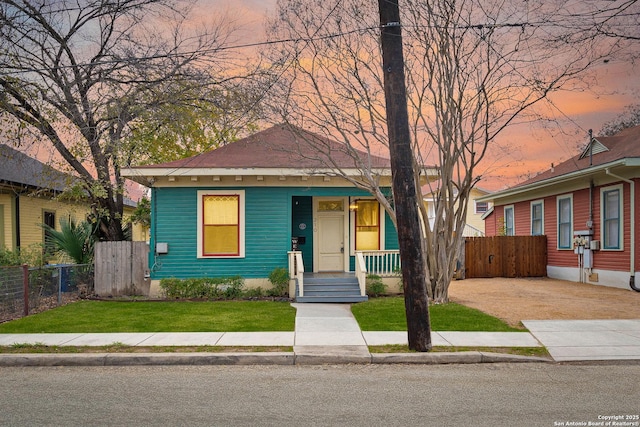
x: 25, y: 283
x: 59, y: 285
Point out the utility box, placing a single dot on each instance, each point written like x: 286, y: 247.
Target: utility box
x: 162, y: 248
x: 587, y: 260
x: 594, y: 245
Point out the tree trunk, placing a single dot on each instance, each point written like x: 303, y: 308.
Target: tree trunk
x: 404, y: 188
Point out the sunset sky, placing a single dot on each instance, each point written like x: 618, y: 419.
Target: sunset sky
x: 526, y: 148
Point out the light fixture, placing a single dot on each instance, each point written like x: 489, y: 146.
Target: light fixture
x: 353, y: 206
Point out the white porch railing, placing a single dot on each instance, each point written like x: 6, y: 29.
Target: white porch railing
x: 296, y: 269
x: 380, y: 263
x: 471, y: 231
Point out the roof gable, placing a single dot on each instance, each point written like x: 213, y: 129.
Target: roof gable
x: 594, y: 147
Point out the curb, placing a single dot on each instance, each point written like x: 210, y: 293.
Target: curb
x: 275, y: 358
x: 146, y: 359
x: 462, y: 357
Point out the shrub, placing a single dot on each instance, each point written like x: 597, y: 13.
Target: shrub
x: 279, y: 278
x: 205, y: 288
x: 74, y: 240
x: 254, y: 292
x: 30, y: 255
x: 375, y: 287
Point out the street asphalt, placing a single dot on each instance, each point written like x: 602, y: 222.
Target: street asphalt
x: 329, y: 334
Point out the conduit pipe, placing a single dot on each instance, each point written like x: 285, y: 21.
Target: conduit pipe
x: 632, y: 265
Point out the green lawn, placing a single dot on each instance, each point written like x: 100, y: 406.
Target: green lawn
x: 387, y: 314
x: 165, y: 316
x: 378, y: 314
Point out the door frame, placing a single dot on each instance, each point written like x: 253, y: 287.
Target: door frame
x: 345, y: 230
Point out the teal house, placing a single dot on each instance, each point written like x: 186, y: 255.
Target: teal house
x: 273, y: 199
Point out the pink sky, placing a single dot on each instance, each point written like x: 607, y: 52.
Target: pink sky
x: 523, y: 149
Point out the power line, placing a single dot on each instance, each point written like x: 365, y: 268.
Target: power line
x: 264, y: 43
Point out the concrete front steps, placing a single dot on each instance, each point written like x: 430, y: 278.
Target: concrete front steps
x: 331, y: 289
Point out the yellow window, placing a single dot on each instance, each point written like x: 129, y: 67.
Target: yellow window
x: 367, y: 225
x: 221, y: 225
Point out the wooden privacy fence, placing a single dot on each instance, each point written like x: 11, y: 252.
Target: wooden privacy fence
x: 506, y: 256
x: 120, y: 268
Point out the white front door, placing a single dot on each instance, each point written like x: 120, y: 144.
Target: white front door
x: 331, y: 243
x: 330, y: 219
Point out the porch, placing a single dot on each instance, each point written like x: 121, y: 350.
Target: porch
x: 340, y: 287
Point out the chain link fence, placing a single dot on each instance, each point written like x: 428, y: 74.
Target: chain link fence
x: 27, y: 290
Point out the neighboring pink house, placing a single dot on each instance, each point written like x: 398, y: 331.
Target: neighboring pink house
x: 587, y: 206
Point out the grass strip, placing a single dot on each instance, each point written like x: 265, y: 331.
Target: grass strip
x: 521, y: 351
x: 121, y: 348
x: 388, y: 314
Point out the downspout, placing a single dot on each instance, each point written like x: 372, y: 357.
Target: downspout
x: 632, y: 278
x: 16, y: 212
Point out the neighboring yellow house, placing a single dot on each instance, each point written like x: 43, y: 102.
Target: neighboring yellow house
x: 475, y: 224
x: 475, y: 211
x: 28, y: 190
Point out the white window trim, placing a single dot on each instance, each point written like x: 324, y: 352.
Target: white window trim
x: 240, y: 194
x: 541, y: 203
x: 352, y: 225
x: 513, y: 218
x: 558, y: 198
x: 475, y: 207
x: 603, y: 190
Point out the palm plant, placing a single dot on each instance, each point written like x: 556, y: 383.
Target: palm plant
x: 75, y: 240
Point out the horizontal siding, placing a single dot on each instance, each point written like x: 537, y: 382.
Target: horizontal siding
x: 490, y: 228
x: 522, y: 218
x: 637, y: 224
x: 391, y: 234
x: 31, y: 217
x: 6, y: 222
x: 602, y: 260
x: 268, y: 231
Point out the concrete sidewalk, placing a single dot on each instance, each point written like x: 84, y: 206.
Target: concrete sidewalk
x: 576, y: 340
x: 328, y: 333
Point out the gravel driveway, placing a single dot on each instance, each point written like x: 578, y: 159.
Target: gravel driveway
x: 514, y: 300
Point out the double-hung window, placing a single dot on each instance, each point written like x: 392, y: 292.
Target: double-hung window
x: 611, y: 214
x: 482, y: 207
x: 537, y: 218
x: 565, y: 222
x: 509, y: 222
x: 367, y: 225
x: 221, y: 223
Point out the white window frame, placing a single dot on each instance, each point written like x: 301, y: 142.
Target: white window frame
x: 352, y: 225
x: 241, y: 218
x: 475, y: 207
x: 603, y: 190
x: 513, y: 220
x: 535, y: 203
x: 558, y: 200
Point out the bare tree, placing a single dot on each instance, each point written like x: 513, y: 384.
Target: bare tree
x: 80, y: 73
x: 629, y: 118
x: 473, y: 68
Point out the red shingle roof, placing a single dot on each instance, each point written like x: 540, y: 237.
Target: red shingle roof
x: 624, y: 144
x: 280, y: 146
